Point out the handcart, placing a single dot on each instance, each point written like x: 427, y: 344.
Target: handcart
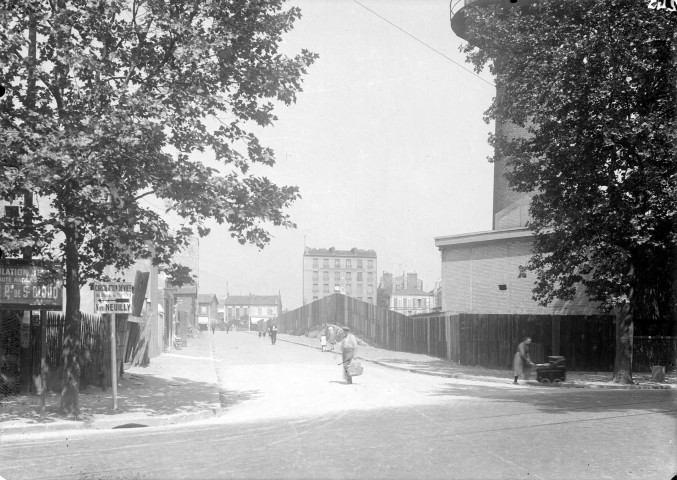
x: 552, y: 372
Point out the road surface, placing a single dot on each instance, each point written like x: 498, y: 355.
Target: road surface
x: 288, y: 414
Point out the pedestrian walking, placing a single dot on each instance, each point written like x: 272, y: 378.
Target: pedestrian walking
x: 332, y: 338
x: 348, y: 349
x: 213, y: 328
x: 323, y: 342
x: 260, y: 334
x: 522, y: 362
x: 273, y: 334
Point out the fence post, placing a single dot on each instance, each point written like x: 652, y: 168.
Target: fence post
x: 555, y: 335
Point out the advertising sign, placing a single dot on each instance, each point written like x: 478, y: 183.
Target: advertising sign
x: 27, y: 286
x: 113, y: 297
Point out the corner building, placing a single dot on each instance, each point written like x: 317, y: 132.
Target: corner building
x: 350, y: 272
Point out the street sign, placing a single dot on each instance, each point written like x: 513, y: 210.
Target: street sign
x: 113, y: 297
x: 26, y: 285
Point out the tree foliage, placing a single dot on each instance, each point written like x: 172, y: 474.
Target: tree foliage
x: 110, y: 103
x: 125, y: 92
x: 595, y: 85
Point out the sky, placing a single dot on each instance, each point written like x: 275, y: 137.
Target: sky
x: 386, y: 143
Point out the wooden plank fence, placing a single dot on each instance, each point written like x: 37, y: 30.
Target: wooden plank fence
x: 94, y: 333
x: 487, y: 340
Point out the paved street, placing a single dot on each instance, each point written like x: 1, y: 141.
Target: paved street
x: 288, y: 414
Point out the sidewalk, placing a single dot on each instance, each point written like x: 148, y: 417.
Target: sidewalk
x: 427, y: 365
x: 178, y: 386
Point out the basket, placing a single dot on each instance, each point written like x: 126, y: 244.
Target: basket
x: 355, y: 368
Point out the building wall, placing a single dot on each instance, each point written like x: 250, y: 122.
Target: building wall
x: 346, y: 278
x: 408, y: 304
x: 472, y: 273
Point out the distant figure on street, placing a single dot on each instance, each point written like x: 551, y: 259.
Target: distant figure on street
x: 332, y: 337
x: 227, y: 328
x: 213, y: 328
x: 273, y: 334
x: 522, y: 362
x: 348, y: 348
x: 260, y: 334
x: 323, y: 342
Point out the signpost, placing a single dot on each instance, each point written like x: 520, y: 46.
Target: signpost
x: 112, y: 298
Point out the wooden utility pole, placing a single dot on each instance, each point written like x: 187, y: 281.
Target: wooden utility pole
x: 113, y: 361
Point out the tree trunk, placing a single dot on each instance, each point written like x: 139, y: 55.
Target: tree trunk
x: 71, y: 341
x: 624, y: 334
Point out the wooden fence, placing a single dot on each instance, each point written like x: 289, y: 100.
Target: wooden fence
x: 94, y: 335
x: 487, y: 340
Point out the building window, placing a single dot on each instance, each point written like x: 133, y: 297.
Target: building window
x: 370, y: 276
x: 359, y: 288
x: 337, y: 276
x: 337, y: 287
x: 315, y: 298
x: 337, y: 263
x: 316, y: 263
x: 349, y: 276
x: 348, y: 261
x: 370, y: 264
x: 246, y: 311
x: 316, y: 287
x: 349, y: 289
x: 270, y: 311
x: 370, y: 289
x: 370, y: 299
x: 325, y: 263
x: 420, y: 303
x: 325, y: 276
x: 203, y: 309
x: 359, y: 263
x: 359, y: 276
x: 325, y: 288
x: 316, y: 275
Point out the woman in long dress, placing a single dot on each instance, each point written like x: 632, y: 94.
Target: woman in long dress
x: 522, y: 362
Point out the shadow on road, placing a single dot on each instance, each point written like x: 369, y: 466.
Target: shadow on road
x: 146, y: 395
x: 558, y: 400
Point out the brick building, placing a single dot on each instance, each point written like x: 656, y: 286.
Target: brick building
x: 351, y: 272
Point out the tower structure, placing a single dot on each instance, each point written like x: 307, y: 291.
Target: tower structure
x: 510, y: 207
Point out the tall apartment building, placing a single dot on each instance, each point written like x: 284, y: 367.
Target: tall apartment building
x: 351, y: 272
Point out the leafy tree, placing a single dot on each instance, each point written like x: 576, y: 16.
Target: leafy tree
x: 383, y: 297
x: 594, y: 85
x: 110, y: 102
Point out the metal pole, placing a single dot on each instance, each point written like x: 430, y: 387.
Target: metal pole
x: 113, y: 361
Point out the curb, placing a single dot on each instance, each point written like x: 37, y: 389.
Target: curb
x: 111, y: 423
x: 476, y: 378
